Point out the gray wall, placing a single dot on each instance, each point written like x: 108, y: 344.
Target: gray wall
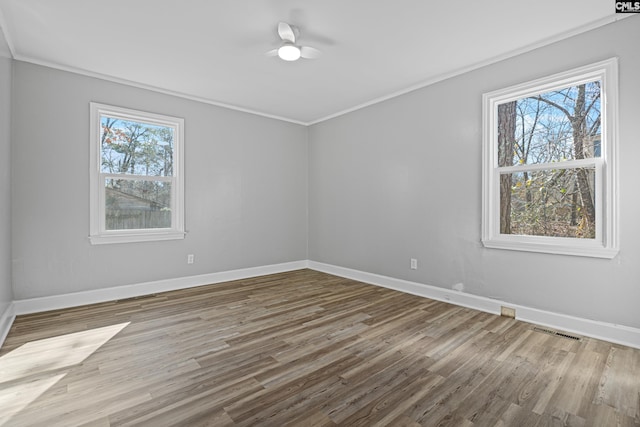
x: 402, y: 179
x: 394, y: 181
x: 6, y: 294
x: 246, y: 189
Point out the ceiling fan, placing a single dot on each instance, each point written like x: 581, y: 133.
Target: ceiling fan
x: 290, y: 51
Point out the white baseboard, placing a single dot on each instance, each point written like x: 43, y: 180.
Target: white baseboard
x: 6, y: 320
x: 619, y: 334
x: 610, y: 332
x: 55, y: 302
x: 447, y: 295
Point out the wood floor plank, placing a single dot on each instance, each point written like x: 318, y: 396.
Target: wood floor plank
x: 615, y: 389
x: 305, y: 348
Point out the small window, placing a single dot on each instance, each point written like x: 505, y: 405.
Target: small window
x: 549, y: 169
x: 136, y: 176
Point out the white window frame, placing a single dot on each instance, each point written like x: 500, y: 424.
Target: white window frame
x: 98, y: 232
x: 606, y: 242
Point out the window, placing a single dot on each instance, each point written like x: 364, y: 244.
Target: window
x: 136, y: 176
x: 549, y: 164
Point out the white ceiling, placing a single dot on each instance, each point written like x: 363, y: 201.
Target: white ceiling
x: 213, y: 50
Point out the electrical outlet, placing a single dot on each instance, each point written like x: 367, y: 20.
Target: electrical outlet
x: 414, y: 264
x: 190, y: 259
x: 508, y: 312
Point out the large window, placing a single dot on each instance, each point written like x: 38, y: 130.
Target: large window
x: 136, y: 176
x: 549, y: 169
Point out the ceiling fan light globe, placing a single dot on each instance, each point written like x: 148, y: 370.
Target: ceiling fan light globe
x: 289, y: 52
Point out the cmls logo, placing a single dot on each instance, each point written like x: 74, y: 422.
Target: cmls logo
x: 628, y: 7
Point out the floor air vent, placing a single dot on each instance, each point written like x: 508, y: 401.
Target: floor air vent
x: 556, y: 333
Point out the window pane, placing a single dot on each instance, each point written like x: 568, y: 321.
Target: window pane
x: 135, y: 148
x: 551, y: 202
x: 563, y: 124
x: 137, y: 204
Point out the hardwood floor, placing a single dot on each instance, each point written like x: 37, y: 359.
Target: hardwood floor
x: 305, y: 349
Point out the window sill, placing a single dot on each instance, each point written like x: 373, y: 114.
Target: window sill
x: 136, y: 236
x: 583, y: 249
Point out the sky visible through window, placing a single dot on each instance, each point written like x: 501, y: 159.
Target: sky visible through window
x: 135, y: 148
x: 544, y: 125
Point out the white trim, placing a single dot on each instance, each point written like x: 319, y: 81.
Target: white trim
x: 419, y: 289
x: 132, y: 236
x: 6, y: 320
x: 605, y: 243
x: 139, y: 85
x: 546, y: 246
x: 610, y: 332
x: 567, y: 164
x: 444, y: 76
x: 55, y: 302
x: 97, y: 231
x: 619, y: 334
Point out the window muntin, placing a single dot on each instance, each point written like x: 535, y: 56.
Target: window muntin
x: 136, y: 175
x: 549, y: 164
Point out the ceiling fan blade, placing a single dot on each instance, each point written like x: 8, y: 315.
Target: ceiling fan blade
x: 309, y: 52
x: 286, y: 32
x: 273, y: 52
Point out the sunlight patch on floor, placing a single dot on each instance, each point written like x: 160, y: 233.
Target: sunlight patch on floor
x: 40, y: 360
x: 14, y: 398
x: 54, y: 353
